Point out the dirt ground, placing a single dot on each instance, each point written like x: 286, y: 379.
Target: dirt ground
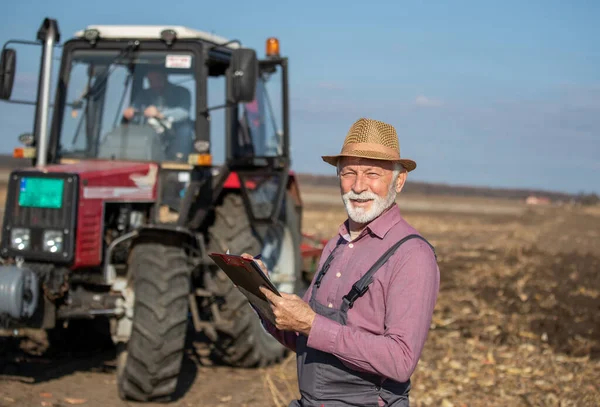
x: 517, y: 321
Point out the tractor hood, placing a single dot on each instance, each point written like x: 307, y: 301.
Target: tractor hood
x: 115, y: 180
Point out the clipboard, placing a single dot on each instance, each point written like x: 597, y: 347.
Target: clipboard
x: 247, y: 275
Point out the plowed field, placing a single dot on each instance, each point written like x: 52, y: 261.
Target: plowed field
x: 517, y: 321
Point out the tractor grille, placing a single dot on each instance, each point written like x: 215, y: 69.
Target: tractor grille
x: 40, y: 214
x: 40, y: 217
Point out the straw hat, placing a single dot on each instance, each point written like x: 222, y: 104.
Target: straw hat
x: 373, y: 139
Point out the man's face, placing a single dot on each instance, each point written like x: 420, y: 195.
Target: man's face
x: 368, y: 187
x: 157, y: 79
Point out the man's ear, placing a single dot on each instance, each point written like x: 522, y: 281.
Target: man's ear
x: 401, y: 180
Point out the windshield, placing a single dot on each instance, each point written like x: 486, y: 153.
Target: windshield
x: 130, y: 106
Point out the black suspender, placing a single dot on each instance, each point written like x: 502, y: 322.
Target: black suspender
x: 326, y: 264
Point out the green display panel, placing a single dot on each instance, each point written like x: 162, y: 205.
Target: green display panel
x: 41, y: 192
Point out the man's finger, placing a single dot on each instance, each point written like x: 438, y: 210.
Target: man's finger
x: 268, y: 293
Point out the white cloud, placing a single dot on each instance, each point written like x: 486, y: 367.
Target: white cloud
x: 424, y: 101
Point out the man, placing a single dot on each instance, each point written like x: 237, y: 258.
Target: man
x: 166, y: 106
x: 359, y: 346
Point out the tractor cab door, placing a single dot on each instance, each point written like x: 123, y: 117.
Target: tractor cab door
x: 258, y: 150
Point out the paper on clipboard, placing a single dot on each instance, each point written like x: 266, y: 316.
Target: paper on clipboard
x: 247, y: 275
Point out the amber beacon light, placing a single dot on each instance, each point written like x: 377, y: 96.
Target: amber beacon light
x: 272, y: 47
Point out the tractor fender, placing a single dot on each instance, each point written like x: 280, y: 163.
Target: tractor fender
x: 171, y: 235
x: 168, y: 234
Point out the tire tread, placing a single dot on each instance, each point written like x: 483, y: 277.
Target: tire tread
x: 156, y: 346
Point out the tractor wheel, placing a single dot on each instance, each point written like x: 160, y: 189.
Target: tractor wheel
x: 149, y: 366
x: 242, y: 341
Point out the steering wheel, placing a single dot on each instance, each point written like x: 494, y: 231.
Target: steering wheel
x: 138, y: 118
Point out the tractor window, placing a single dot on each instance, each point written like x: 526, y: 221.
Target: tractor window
x: 217, y: 91
x: 79, y: 121
x: 262, y: 118
x: 131, y: 106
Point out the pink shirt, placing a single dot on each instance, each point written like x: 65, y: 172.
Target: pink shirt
x: 388, y: 325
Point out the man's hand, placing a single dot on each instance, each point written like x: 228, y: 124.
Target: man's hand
x: 291, y: 312
x: 152, y: 111
x: 128, y: 113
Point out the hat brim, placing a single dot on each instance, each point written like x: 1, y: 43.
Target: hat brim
x: 408, y: 164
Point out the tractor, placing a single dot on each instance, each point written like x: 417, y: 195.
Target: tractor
x: 114, y: 218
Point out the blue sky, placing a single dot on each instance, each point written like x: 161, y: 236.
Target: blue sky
x: 501, y: 94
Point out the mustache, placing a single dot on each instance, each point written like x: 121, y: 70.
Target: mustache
x: 362, y: 195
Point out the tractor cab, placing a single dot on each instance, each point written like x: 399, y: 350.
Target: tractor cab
x: 156, y: 93
x: 144, y: 93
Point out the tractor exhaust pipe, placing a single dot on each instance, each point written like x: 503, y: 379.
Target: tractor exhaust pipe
x: 49, y: 35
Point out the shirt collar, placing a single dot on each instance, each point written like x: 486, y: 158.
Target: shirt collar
x: 378, y: 226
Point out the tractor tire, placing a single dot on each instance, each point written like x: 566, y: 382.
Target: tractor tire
x: 241, y: 339
x: 149, y: 366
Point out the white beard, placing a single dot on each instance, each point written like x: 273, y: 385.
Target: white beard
x: 379, y: 204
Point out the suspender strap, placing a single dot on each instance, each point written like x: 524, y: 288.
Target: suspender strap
x: 326, y: 264
x: 362, y: 286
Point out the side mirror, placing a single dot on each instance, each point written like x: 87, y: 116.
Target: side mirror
x: 243, y: 75
x: 8, y: 62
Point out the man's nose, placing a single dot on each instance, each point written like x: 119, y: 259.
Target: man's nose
x: 359, y: 185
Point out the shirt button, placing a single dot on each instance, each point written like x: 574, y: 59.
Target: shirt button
x: 338, y: 274
x: 351, y: 245
x: 330, y: 305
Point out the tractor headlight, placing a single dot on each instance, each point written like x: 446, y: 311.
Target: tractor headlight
x: 53, y: 241
x: 20, y: 238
